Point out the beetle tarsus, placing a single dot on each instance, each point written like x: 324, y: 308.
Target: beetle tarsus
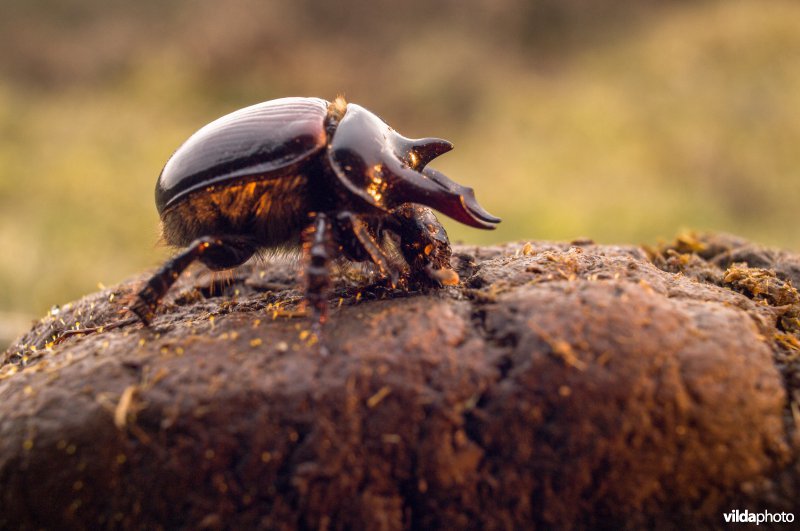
x: 445, y: 276
x: 318, y: 335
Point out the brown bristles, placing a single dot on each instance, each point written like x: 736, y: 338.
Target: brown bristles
x: 271, y: 210
x: 336, y: 108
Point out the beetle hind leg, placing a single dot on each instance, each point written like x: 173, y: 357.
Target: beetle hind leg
x: 214, y: 252
x: 424, y: 244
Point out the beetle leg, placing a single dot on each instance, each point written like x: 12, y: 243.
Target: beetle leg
x: 368, y: 243
x: 317, y: 243
x: 215, y: 253
x: 424, y: 243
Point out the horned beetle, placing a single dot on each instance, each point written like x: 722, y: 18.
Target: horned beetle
x: 329, y: 177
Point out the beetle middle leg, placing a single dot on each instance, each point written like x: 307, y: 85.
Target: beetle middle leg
x: 216, y: 253
x: 317, y: 249
x: 424, y: 243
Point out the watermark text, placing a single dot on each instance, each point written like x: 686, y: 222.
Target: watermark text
x: 764, y: 517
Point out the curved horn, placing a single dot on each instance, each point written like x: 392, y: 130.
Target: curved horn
x: 424, y: 150
x: 466, y: 195
x: 434, y: 189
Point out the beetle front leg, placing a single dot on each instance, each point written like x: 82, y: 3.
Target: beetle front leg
x: 215, y: 253
x: 317, y: 246
x: 424, y: 243
x: 368, y: 245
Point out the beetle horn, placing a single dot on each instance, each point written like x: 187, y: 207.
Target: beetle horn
x: 434, y: 189
x: 425, y: 149
x: 466, y: 197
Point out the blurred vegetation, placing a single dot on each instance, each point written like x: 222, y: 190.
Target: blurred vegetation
x: 623, y: 121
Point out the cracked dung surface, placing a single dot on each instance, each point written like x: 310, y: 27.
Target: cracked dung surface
x: 559, y: 385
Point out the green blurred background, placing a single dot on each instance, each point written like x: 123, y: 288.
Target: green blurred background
x: 619, y: 120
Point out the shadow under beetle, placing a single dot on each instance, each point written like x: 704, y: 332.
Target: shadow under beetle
x: 330, y: 176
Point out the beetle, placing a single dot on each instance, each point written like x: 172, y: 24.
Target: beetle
x: 329, y: 177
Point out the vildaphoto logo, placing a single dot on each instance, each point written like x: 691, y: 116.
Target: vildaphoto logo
x: 764, y: 517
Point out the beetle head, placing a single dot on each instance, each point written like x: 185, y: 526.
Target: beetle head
x: 387, y: 169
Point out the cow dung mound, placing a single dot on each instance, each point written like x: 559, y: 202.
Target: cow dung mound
x: 567, y: 385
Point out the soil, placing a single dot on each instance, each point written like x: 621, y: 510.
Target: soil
x: 567, y: 385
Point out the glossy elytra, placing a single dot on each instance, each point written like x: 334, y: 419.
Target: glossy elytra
x: 331, y: 177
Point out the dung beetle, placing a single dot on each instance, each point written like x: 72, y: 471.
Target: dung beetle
x: 330, y: 177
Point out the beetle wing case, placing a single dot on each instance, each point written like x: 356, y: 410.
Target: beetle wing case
x: 263, y: 138
x: 386, y: 169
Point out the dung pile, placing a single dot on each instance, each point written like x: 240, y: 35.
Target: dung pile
x: 559, y: 385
